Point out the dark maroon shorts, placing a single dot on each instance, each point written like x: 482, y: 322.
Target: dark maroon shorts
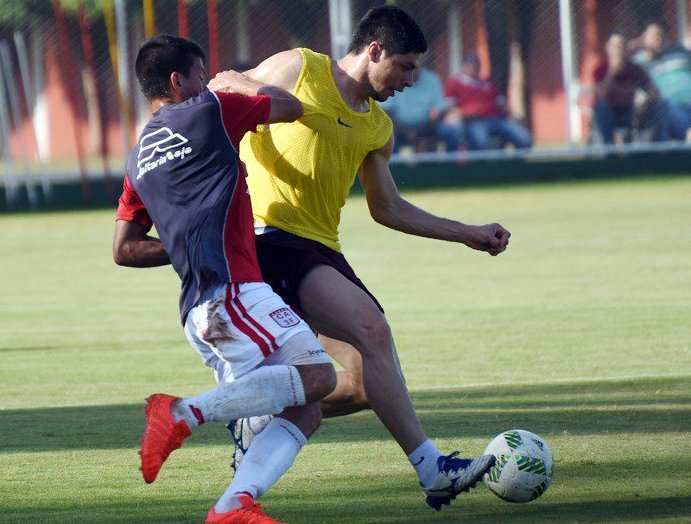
x: 285, y: 259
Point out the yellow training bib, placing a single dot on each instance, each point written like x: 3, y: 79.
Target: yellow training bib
x: 300, y: 173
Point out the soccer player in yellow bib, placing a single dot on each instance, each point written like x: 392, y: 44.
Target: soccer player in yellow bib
x: 299, y: 175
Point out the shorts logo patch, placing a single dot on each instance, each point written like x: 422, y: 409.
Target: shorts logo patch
x: 285, y: 318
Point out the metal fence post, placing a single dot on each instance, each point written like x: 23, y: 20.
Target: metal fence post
x: 340, y: 24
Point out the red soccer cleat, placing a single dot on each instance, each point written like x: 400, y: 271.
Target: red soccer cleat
x: 162, y: 434
x: 249, y: 513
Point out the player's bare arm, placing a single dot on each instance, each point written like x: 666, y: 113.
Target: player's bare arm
x: 388, y: 208
x: 281, y: 70
x: 134, y: 247
x: 284, y: 106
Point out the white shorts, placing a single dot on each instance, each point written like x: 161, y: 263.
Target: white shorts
x: 238, y: 327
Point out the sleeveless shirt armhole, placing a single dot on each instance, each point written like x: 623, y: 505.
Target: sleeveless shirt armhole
x: 385, y: 123
x: 303, y: 71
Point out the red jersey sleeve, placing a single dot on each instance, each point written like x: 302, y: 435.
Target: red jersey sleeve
x: 131, y: 208
x: 242, y: 113
x: 451, y: 88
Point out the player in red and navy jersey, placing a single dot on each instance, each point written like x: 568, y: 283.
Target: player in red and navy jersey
x: 185, y: 177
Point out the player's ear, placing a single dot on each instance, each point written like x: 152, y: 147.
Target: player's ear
x: 374, y: 51
x: 174, y: 83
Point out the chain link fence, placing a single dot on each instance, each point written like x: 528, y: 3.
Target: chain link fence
x: 69, y: 102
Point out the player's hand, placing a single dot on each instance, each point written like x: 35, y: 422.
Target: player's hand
x: 492, y: 238
x: 223, y: 81
x: 232, y: 82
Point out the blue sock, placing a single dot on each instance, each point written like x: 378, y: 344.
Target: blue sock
x: 424, y: 460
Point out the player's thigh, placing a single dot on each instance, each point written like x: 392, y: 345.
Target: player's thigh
x: 241, y: 325
x: 339, y: 309
x: 206, y: 351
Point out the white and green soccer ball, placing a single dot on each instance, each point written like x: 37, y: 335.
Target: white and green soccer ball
x: 523, y: 470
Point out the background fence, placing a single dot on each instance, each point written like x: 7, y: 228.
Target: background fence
x: 69, y: 105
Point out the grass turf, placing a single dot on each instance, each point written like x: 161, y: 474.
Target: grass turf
x: 580, y: 332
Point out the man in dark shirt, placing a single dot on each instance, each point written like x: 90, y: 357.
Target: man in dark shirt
x: 618, y: 80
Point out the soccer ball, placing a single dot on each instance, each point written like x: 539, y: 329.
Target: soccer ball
x: 523, y: 470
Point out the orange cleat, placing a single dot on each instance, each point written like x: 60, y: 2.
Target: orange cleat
x: 162, y: 434
x: 249, y: 513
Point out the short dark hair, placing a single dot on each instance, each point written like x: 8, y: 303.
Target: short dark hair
x: 393, y: 28
x: 161, y: 56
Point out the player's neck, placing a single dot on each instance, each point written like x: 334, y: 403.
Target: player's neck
x: 350, y: 76
x: 157, y: 104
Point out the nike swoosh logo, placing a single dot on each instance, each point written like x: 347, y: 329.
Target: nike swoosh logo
x: 422, y: 459
x: 342, y: 122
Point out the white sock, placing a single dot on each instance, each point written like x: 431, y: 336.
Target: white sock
x: 272, y: 452
x: 424, y: 460
x: 266, y: 390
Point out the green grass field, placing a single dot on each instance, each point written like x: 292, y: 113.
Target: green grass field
x: 580, y: 332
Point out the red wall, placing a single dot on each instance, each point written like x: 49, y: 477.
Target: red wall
x: 545, y: 79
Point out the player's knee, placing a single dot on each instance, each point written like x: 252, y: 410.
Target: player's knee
x: 374, y: 337
x: 318, y: 380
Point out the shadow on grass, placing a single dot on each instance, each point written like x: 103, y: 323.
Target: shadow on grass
x: 335, y: 504
x: 22, y: 349
x: 631, y: 406
x: 388, y: 508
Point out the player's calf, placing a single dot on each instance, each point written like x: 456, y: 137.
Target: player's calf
x: 348, y: 397
x: 271, y: 454
x: 318, y: 379
x: 267, y: 390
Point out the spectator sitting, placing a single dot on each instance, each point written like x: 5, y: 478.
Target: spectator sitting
x: 418, y: 114
x: 482, y: 108
x: 617, y: 80
x: 670, y: 69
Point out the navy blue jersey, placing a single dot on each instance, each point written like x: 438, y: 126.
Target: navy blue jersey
x: 185, y: 177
